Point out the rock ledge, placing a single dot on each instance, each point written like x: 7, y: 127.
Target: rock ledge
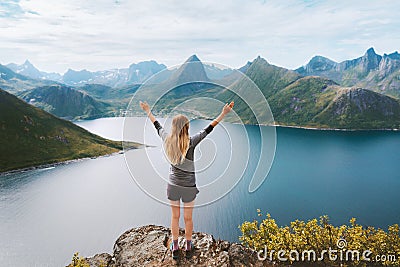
x: 148, y: 246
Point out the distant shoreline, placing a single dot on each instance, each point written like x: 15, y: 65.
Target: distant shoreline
x: 294, y: 126
x: 320, y: 129
x: 333, y: 129
x: 65, y: 162
x: 55, y: 164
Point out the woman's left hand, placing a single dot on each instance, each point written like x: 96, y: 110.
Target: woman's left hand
x: 145, y: 106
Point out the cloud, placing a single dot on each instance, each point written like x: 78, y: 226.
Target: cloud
x: 60, y: 34
x: 10, y: 8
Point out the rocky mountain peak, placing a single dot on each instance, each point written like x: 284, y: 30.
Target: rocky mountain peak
x: 139, y: 72
x: 245, y: 67
x: 193, y: 58
x: 370, y: 52
x: 190, y: 71
x: 395, y: 55
x: 73, y: 76
x: 317, y: 65
x: 320, y: 63
x: 370, y: 60
x: 259, y: 61
x: 26, y: 69
x: 28, y: 63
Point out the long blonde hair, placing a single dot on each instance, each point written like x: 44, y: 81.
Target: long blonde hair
x: 177, y: 142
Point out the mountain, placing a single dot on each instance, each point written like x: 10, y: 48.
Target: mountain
x: 347, y: 72
x: 295, y: 100
x: 299, y: 102
x: 361, y: 109
x: 269, y: 78
x: 309, y: 101
x: 385, y: 79
x: 14, y: 82
x: 244, y: 68
x: 190, y: 71
x: 371, y: 71
x: 140, y: 72
x: 320, y: 102
x: 305, y: 97
x: 72, y: 77
x: 355, y: 70
x: 312, y: 101
x: 215, y: 72
x: 321, y: 66
x: 189, y: 79
x: 117, y: 98
x: 112, y: 78
x: 27, y: 69
x: 136, y: 73
x: 7, y: 74
x: 184, y: 83
x: 97, y: 91
x: 65, y: 102
x: 30, y: 136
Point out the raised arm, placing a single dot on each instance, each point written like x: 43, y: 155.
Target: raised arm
x: 203, y: 133
x: 146, y: 109
x: 157, y: 125
x: 225, y: 110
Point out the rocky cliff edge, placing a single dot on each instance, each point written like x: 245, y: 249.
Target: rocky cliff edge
x: 148, y: 246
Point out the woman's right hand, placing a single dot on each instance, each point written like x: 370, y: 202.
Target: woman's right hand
x: 227, y: 108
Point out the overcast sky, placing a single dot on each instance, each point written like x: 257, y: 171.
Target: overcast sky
x: 102, y: 34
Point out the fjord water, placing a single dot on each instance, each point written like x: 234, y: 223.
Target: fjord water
x: 48, y: 214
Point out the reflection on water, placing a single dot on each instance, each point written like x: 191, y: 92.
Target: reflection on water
x: 47, y: 215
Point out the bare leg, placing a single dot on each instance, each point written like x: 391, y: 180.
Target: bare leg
x: 175, y: 214
x: 187, y: 215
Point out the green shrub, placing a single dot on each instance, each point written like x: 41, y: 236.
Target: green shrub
x: 78, y: 261
x: 320, y: 235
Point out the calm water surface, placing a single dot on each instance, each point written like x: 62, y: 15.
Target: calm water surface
x: 46, y: 215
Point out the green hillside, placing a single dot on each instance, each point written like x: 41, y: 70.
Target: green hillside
x: 319, y: 102
x: 66, y: 102
x: 30, y: 136
x: 357, y: 108
x: 116, y: 97
x: 269, y: 78
x: 300, y: 102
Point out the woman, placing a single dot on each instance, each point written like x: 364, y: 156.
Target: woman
x: 179, y: 149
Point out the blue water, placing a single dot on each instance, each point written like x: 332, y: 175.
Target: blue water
x: 47, y: 215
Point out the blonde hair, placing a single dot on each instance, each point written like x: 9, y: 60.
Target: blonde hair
x: 177, y: 142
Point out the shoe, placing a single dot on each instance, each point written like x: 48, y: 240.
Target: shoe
x: 175, y: 252
x: 189, y: 252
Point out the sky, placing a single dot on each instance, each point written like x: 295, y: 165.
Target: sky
x: 104, y: 34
